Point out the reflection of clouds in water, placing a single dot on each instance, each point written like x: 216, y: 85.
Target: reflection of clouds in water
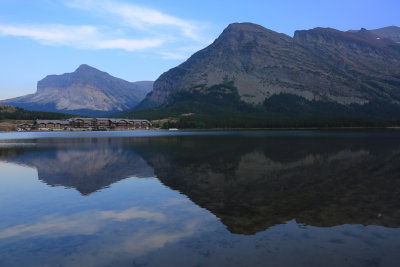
x: 157, y: 238
x: 85, y: 223
x: 52, y: 226
x: 148, y: 238
x: 130, y: 214
x: 114, y: 235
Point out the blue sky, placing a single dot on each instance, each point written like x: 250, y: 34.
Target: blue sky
x: 139, y: 40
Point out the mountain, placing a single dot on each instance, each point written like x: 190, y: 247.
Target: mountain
x: 87, y: 91
x: 318, y: 72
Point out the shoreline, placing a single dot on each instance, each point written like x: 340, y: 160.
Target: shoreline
x: 394, y: 128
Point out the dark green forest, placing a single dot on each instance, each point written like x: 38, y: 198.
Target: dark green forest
x: 221, y: 107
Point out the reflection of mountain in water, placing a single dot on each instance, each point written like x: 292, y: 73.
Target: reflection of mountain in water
x: 86, y: 166
x: 251, y: 184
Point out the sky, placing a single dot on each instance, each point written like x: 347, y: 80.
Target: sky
x: 138, y: 40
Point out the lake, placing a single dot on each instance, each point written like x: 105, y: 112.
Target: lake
x: 200, y: 198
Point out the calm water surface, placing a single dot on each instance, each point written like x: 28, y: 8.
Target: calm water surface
x: 157, y: 198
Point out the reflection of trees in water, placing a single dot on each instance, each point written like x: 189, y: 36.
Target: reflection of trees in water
x: 251, y: 184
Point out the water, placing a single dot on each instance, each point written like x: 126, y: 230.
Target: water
x: 239, y: 198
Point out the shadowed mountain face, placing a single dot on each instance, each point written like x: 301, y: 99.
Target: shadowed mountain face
x: 322, y: 65
x: 251, y: 182
x: 86, y: 91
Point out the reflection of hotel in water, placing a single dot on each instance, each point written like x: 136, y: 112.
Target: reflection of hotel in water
x: 85, y: 124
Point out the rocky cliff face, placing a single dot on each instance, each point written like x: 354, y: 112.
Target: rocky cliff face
x: 321, y: 64
x: 85, y: 91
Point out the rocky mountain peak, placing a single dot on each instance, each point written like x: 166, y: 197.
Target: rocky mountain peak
x: 243, y: 32
x: 239, y: 52
x: 86, y: 73
x: 84, y: 68
x: 86, y: 91
x: 321, y: 64
x: 244, y: 26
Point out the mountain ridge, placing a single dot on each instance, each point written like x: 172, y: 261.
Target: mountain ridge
x: 86, y: 91
x: 390, y: 32
x: 323, y: 65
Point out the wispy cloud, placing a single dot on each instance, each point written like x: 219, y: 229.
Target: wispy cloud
x: 136, y: 16
x: 50, y: 34
x: 83, y: 37
x: 123, y: 26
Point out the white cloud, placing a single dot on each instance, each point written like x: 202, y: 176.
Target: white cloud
x: 49, y: 34
x: 135, y: 16
x: 83, y: 37
x: 125, y: 26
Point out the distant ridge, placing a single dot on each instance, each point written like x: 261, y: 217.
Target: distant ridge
x: 87, y: 91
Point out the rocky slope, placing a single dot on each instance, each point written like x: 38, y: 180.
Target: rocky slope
x: 371, y: 62
x: 320, y: 65
x: 87, y: 91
